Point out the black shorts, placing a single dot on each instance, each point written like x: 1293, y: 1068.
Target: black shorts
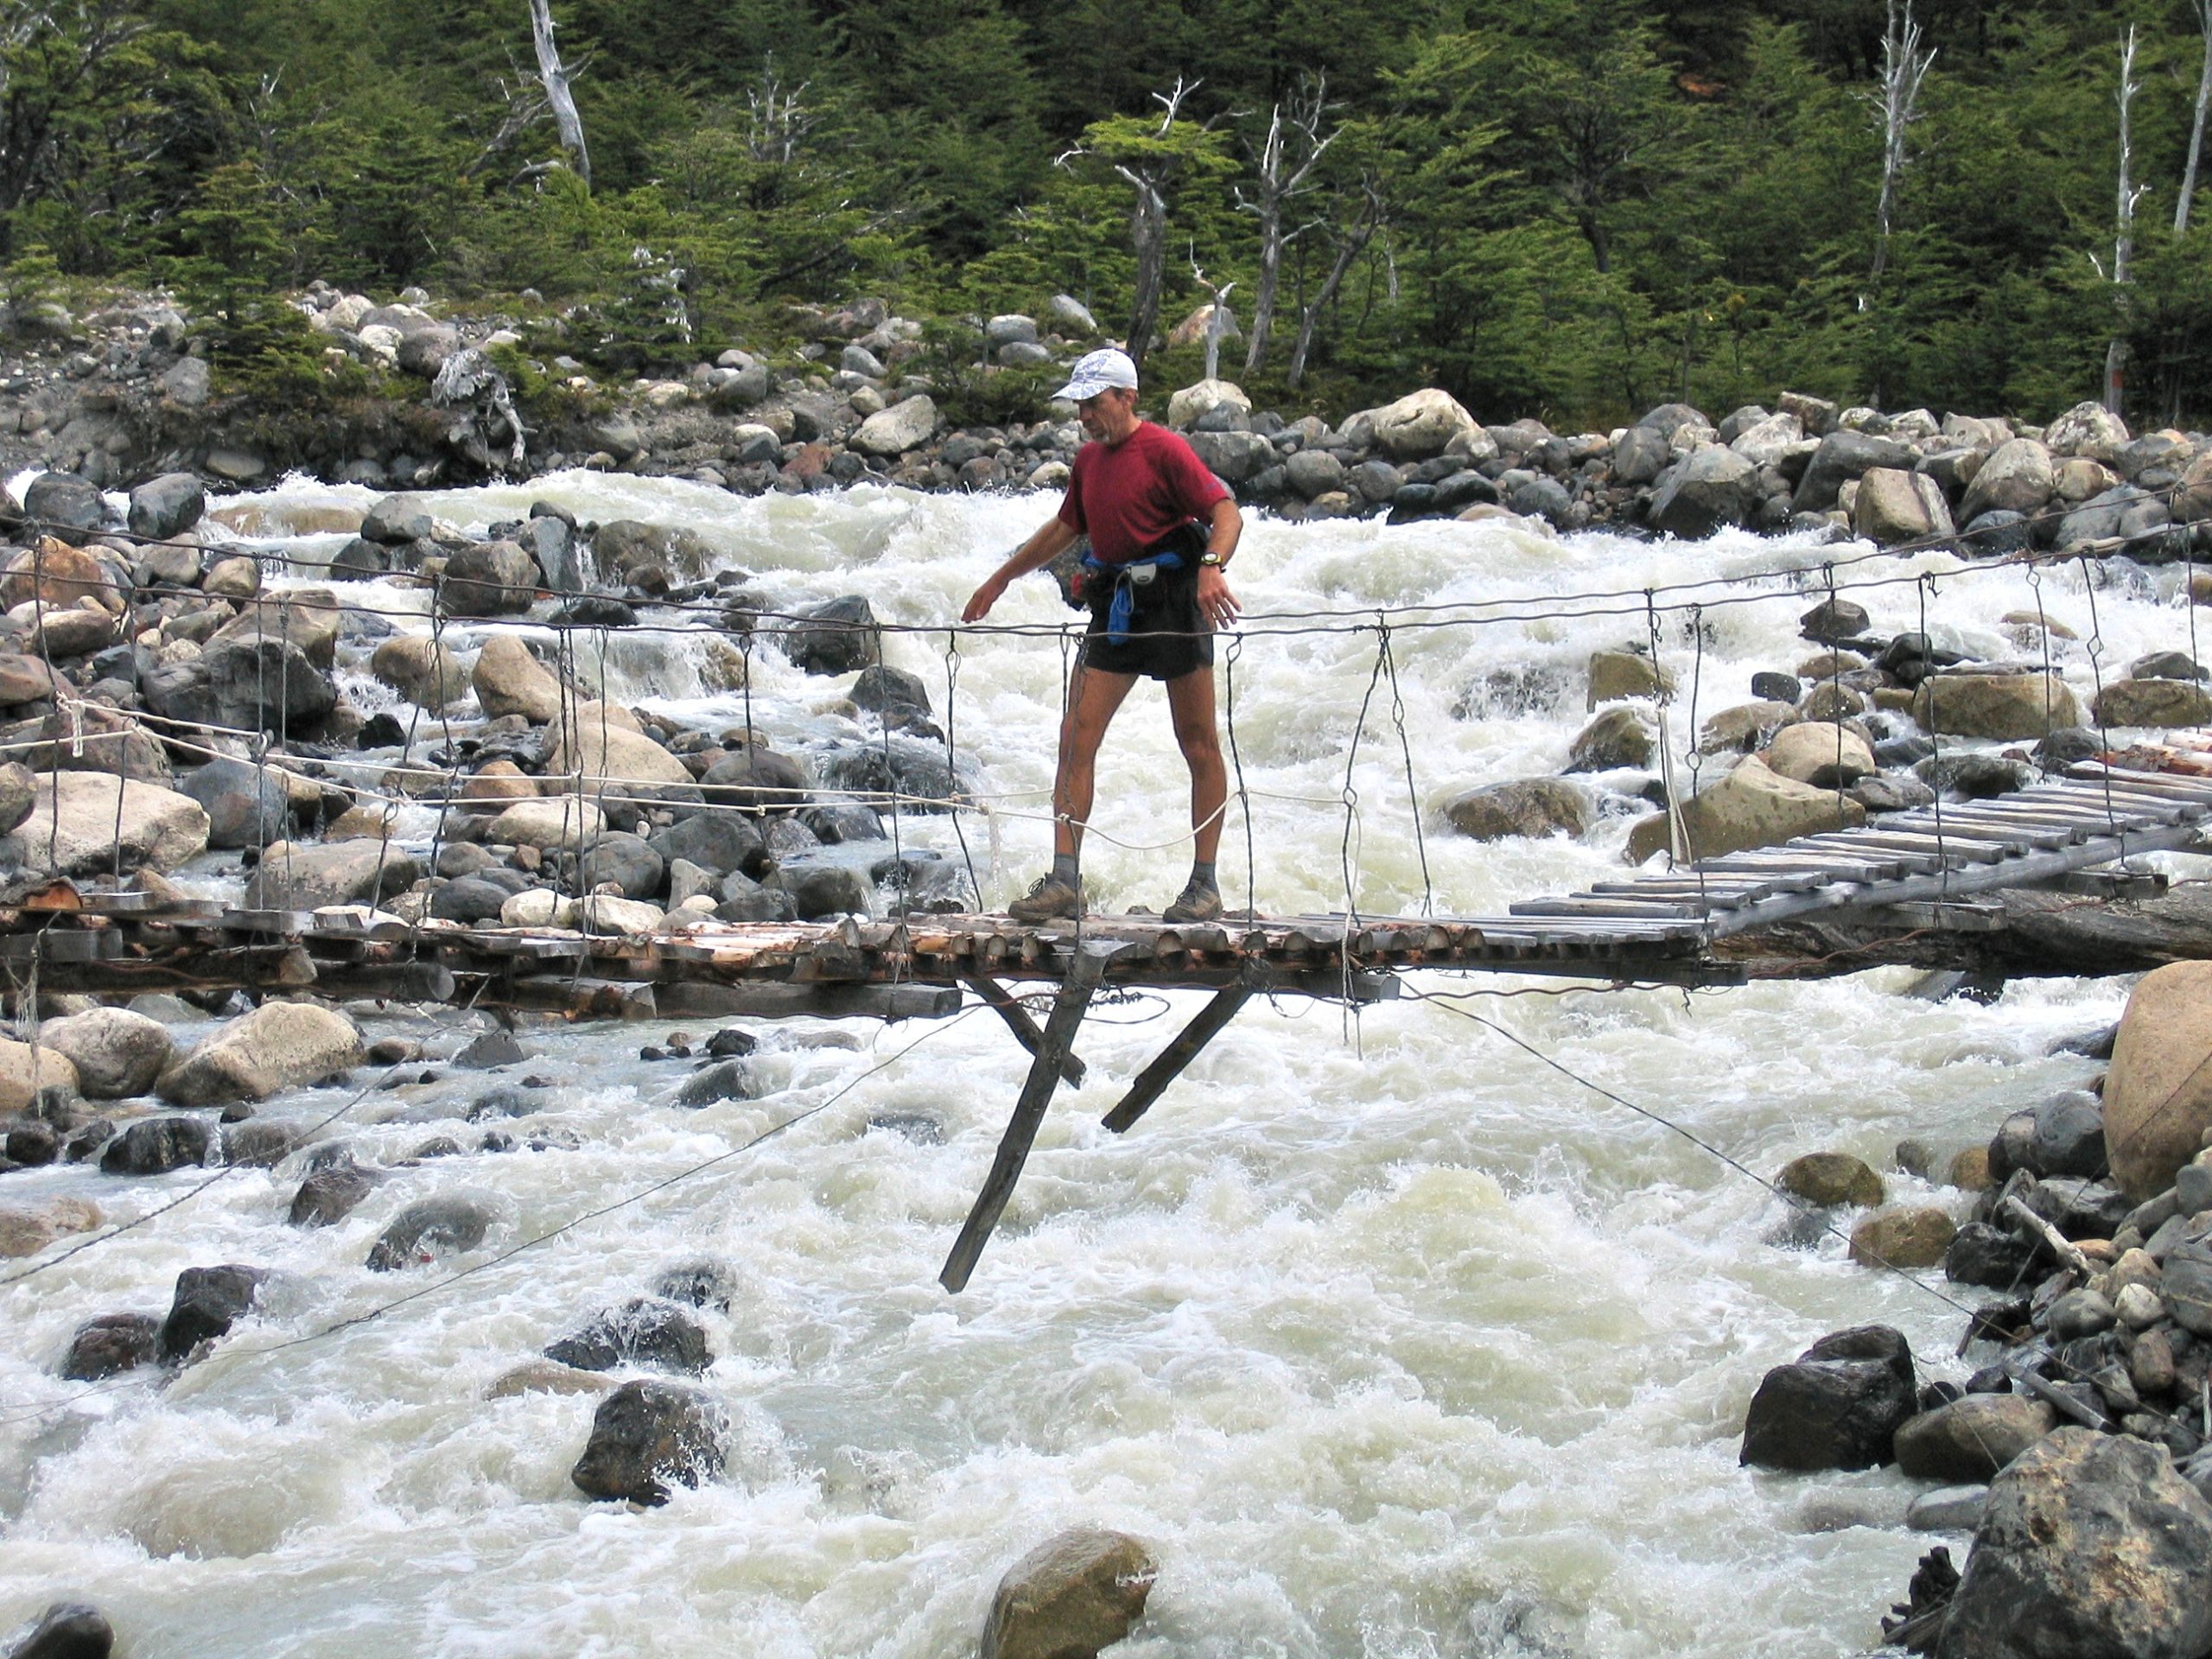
x: 1168, y: 636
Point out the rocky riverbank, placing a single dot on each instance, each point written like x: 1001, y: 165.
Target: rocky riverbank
x: 116, y: 395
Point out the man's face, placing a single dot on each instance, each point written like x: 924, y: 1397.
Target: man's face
x: 1108, y: 414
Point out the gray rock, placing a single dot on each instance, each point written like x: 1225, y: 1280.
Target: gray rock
x: 1641, y: 455
x: 361, y: 872
x: 68, y: 1629
x: 1531, y: 806
x: 207, y: 1303
x: 821, y: 890
x: 246, y: 805
x: 110, y: 1344
x: 721, y: 841
x: 729, y: 1080
x: 1971, y: 1439
x: 2091, y: 1546
x: 1706, y: 489
x: 1979, y: 1254
x: 168, y: 505
x: 1948, y: 1508
x: 645, y: 1435
x: 1842, y: 456
x: 488, y: 579
x: 328, y: 1195
x: 2187, y: 1287
x: 1839, y: 1405
x: 882, y: 687
x: 155, y: 1146
x: 397, y: 519
x: 116, y: 1053
x: 625, y: 859
x: 428, y: 1231
x: 834, y: 637
x: 188, y: 382
x: 642, y: 1332
x: 67, y: 506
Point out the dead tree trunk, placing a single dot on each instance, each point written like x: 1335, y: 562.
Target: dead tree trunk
x: 2196, y: 122
x: 1149, y: 235
x: 1351, y: 242
x: 1903, y: 67
x: 1278, y: 189
x: 555, y: 79
x: 2123, y: 241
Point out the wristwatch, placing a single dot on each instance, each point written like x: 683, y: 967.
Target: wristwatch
x: 1211, y: 557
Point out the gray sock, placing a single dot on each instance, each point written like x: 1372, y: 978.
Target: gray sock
x: 1063, y: 867
x: 1202, y: 876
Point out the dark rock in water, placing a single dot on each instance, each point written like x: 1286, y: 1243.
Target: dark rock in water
x: 628, y: 861
x: 719, y: 842
x: 261, y: 1144
x: 1975, y: 777
x: 90, y: 1138
x: 698, y: 1284
x: 438, y: 1146
x: 835, y: 636
x: 730, y: 1041
x: 165, y: 506
x: 1075, y: 1593
x: 642, y: 1332
x: 1778, y: 687
x: 881, y: 686
x: 31, y: 1145
x: 835, y: 822
x: 69, y: 1630
x: 917, y: 1126
x: 2091, y: 1546
x: 731, y: 1080
x: 1906, y: 751
x: 505, y: 1103
x: 383, y: 730
x: 1837, y: 1407
x: 1927, y: 1603
x: 470, y: 900
x: 155, y: 1146
x: 246, y: 806
x: 2066, y: 746
x: 2066, y: 1137
x: 920, y: 774
x: 646, y: 1434
x: 426, y: 1230
x: 2093, y: 1046
x: 64, y: 504
x: 489, y: 1049
x: 208, y: 1302
x: 328, y: 1196
x: 1979, y: 1254
x: 1973, y: 1437
x: 594, y: 611
x: 1832, y: 622
x: 112, y: 1345
x: 1998, y: 530
x: 756, y: 779
x: 818, y: 890
x: 360, y: 560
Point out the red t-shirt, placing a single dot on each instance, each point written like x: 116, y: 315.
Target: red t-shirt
x: 1127, y: 496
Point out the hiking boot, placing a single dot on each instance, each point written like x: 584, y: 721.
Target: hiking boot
x: 1194, y: 904
x: 1051, y: 899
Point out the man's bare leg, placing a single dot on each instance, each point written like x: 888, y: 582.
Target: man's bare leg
x: 1094, y: 698
x: 1191, y: 702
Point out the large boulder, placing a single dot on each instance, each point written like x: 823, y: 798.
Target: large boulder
x: 509, y: 681
x: 488, y: 579
x: 31, y: 1073
x: 2018, y: 477
x: 1186, y: 406
x: 108, y: 1344
x: 889, y: 433
x: 116, y: 1053
x: 78, y: 826
x: 1842, y: 456
x: 1530, y: 806
x: 645, y: 1435
x: 2088, y: 430
x: 1895, y: 505
x: 69, y: 1630
x: 643, y: 1331
x: 1753, y: 806
x: 155, y: 1146
x: 1421, y: 425
x: 1838, y: 1405
x: 246, y: 805
x: 614, y: 759
x: 307, y: 877
x: 835, y: 636
x: 1079, y: 1591
x: 622, y: 547
x: 66, y: 503
x: 428, y: 1231
x: 1708, y: 488
x: 1999, y: 706
x: 422, y: 670
x: 1972, y: 1437
x: 2091, y: 1546
x: 547, y: 824
x: 168, y: 505
x: 207, y: 1302
x: 1617, y: 737
x: 2152, y: 702
x: 278, y: 1046
x: 1822, y: 754
x: 2158, y: 1090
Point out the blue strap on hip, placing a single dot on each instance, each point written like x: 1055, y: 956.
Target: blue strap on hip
x: 1125, y: 597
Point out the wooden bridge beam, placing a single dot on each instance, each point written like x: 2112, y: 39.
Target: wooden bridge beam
x: 1019, y: 1022
x: 1167, y: 1065
x: 1083, y: 974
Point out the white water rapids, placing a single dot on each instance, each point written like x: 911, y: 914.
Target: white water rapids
x: 1388, y: 1339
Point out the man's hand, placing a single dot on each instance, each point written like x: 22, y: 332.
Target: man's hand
x: 980, y: 602
x: 1215, y: 603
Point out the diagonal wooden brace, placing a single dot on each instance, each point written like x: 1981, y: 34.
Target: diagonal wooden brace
x: 1083, y: 974
x: 1019, y: 1022
x: 1152, y: 1081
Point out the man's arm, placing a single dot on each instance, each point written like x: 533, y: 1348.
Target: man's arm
x: 1054, y: 538
x: 1215, y: 603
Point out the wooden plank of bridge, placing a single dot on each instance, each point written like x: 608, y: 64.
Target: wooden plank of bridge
x: 1084, y: 973
x: 1018, y: 1021
x: 1168, y: 1063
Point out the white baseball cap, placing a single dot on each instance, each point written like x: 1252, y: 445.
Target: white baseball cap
x: 1095, y: 370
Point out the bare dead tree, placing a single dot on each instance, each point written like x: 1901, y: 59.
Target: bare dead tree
x: 1897, y: 103
x: 521, y: 104
x: 2196, y: 122
x: 555, y: 80
x: 1217, y: 316
x: 2123, y: 240
x: 1352, y: 237
x: 1281, y: 182
x: 778, y: 120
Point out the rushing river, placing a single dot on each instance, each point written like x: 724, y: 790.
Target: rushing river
x: 1389, y: 1339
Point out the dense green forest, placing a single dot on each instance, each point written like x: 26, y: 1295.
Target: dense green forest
x: 1568, y: 208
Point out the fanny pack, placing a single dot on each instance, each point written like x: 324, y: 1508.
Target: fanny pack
x: 1180, y: 547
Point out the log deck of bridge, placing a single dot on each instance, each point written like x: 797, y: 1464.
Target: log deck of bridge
x: 1916, y: 870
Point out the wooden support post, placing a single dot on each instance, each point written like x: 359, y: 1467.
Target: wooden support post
x: 1152, y: 1081
x: 1019, y: 1022
x: 1082, y: 976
